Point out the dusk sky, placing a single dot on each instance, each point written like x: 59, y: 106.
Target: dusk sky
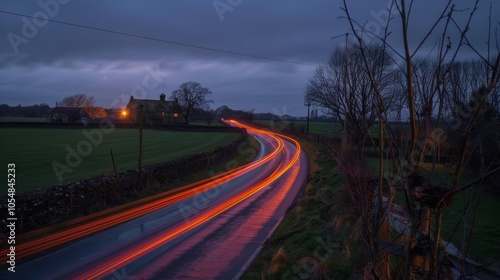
x: 250, y: 54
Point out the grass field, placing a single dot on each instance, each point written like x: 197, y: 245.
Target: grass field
x: 202, y: 123
x: 36, y: 151
x: 328, y: 129
x: 36, y: 120
x: 486, y: 225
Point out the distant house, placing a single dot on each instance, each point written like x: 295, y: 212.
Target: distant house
x: 114, y: 114
x: 68, y: 115
x: 159, y: 111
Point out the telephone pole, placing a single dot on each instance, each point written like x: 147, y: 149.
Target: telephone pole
x: 141, y: 120
x: 308, y: 104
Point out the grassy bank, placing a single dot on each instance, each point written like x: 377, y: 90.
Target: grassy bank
x: 316, y: 239
x: 34, y: 151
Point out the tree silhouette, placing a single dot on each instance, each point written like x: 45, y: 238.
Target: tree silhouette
x: 86, y: 102
x: 189, y: 96
x: 79, y: 100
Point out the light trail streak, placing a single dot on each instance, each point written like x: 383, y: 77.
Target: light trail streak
x: 145, y: 247
x: 222, y: 248
x: 65, y: 236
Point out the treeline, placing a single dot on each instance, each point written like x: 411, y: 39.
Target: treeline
x: 451, y: 103
x: 359, y: 85
x: 35, y: 111
x: 228, y: 113
x: 198, y: 115
x: 371, y: 84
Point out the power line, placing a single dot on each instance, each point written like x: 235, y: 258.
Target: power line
x: 157, y: 39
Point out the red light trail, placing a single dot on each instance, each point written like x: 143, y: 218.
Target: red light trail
x: 141, y: 249
x: 284, y: 159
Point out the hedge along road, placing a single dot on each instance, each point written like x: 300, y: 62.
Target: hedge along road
x: 220, y: 226
x: 45, y: 157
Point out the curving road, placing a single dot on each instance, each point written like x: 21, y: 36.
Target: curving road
x: 209, y: 230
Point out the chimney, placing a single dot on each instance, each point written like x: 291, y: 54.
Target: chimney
x: 162, y: 97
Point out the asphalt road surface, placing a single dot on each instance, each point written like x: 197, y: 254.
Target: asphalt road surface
x: 211, y: 232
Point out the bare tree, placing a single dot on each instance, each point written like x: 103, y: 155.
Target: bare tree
x: 189, y: 96
x: 343, y: 87
x: 463, y: 78
x: 425, y: 84
x: 86, y: 102
x: 96, y: 112
x: 79, y: 100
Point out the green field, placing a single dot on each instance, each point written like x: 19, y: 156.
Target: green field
x: 35, y: 120
x: 328, y: 129
x: 486, y: 224
x: 36, y: 151
x: 202, y: 123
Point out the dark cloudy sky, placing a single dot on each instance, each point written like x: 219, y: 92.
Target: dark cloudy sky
x: 43, y: 62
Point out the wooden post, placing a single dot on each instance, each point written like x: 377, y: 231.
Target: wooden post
x: 141, y: 121
x: 308, y: 106
x: 113, y: 160
x: 343, y: 147
x: 384, y: 258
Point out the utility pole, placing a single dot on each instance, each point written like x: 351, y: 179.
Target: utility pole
x: 344, y: 133
x: 141, y: 120
x: 308, y: 104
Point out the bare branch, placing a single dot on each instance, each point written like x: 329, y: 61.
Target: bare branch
x: 432, y: 28
x: 463, y: 32
x: 488, y: 43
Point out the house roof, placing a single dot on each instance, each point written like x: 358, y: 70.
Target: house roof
x: 73, y: 113
x: 153, y: 105
x: 67, y: 111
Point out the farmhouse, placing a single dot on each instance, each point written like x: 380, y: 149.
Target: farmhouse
x: 159, y: 111
x: 68, y: 115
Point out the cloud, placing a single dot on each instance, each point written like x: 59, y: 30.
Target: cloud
x: 61, y: 60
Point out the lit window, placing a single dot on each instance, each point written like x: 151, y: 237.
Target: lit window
x: 176, y: 115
